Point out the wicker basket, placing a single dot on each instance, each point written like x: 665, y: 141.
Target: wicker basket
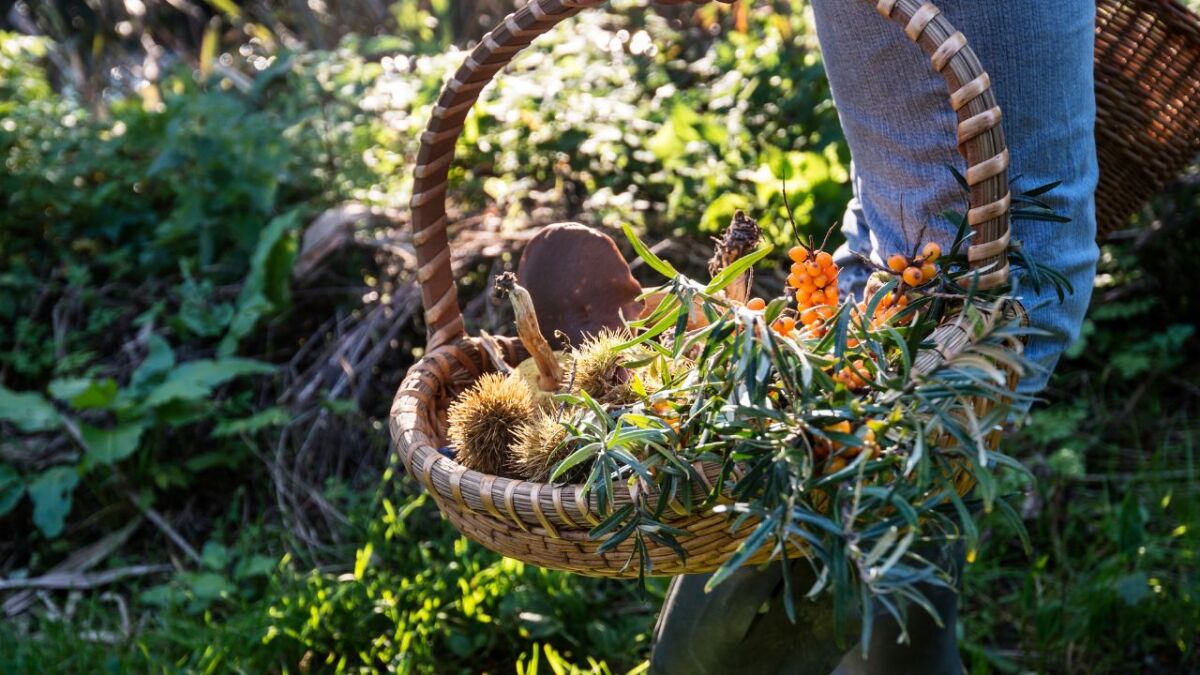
x: 548, y: 524
x: 1147, y: 102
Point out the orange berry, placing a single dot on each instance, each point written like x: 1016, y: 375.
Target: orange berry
x: 885, y: 302
x: 798, y: 254
x: 932, y: 251
x: 812, y: 269
x: 825, y: 311
x: 913, y: 276
x: 785, y: 324
x: 929, y: 271
x: 797, y: 268
x: 794, y: 281
x: 820, y: 281
x: 836, y: 464
x: 902, y: 302
x: 756, y: 304
x: 897, y: 263
x: 817, y: 297
x: 842, y: 427
x: 824, y: 259
x: 803, y: 297
x: 851, y: 343
x: 807, y: 285
x: 831, y: 294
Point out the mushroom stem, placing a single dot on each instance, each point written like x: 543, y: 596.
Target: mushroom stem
x: 550, y: 374
x: 740, y: 238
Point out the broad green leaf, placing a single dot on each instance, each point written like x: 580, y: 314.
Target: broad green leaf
x: 12, y: 488
x: 27, y: 410
x: 159, y: 359
x: 51, y: 495
x: 209, y: 586
x: 106, y: 446
x: 196, y: 380
x: 215, y: 555
x: 84, y: 393
x: 266, y: 287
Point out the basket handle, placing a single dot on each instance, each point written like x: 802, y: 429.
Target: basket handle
x: 980, y: 141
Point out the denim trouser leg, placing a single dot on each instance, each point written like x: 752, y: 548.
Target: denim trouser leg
x: 901, y: 131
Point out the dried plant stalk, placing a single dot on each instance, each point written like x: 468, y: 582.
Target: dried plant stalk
x: 739, y: 239
x: 550, y: 374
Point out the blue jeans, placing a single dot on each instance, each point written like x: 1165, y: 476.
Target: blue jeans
x: 901, y: 132
x: 895, y: 111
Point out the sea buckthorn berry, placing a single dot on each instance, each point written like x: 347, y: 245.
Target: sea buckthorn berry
x: 836, y: 464
x: 824, y: 259
x: 831, y: 294
x: 798, y: 254
x: 756, y: 304
x: 817, y: 297
x: 803, y: 297
x: 797, y: 268
x: 902, y: 302
x: 931, y: 252
x: 812, y: 268
x: 897, y: 263
x: 785, y: 324
x: 929, y: 271
x: 794, y: 281
x: 807, y: 285
x: 825, y: 311
x: 913, y: 276
x: 820, y: 281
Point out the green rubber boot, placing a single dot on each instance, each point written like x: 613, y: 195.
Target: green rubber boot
x: 741, y: 627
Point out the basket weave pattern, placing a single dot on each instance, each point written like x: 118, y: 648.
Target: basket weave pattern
x: 1147, y: 102
x: 548, y: 524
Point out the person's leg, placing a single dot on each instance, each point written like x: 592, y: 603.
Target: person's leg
x: 742, y: 627
x: 901, y: 131
x: 932, y: 644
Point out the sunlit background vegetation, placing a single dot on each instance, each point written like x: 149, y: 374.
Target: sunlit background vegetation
x: 207, y: 300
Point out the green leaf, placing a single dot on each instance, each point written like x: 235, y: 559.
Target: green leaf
x: 214, y: 555
x: 51, y: 496
x: 84, y: 393
x: 735, y: 270
x: 266, y: 287
x: 12, y: 488
x: 271, y: 417
x: 196, y: 380
x: 159, y: 360
x: 656, y: 263
x: 27, y: 410
x: 208, y: 586
x: 106, y: 446
x: 1133, y: 588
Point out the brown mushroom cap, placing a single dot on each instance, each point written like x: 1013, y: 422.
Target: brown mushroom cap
x: 579, y: 282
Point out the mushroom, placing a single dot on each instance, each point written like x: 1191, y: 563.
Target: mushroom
x: 579, y: 282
